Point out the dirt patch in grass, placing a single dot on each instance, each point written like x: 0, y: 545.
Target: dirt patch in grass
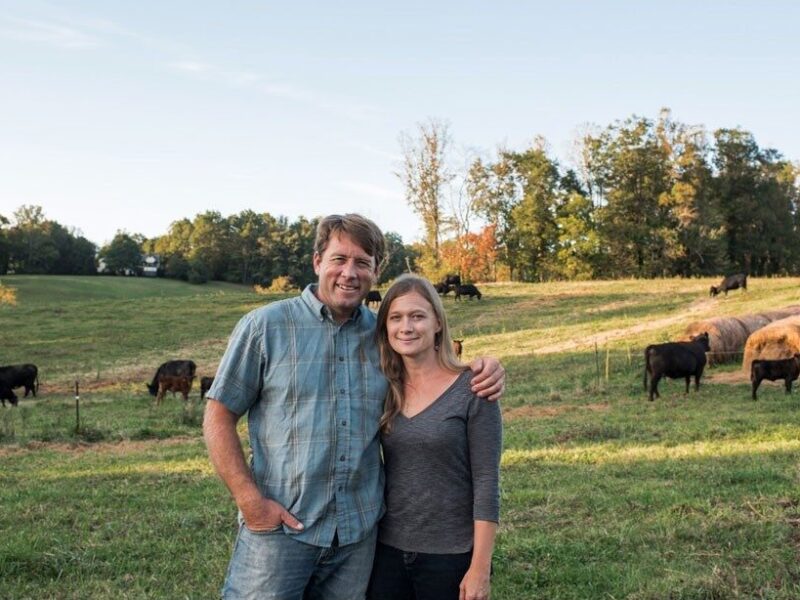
x: 120, y: 376
x: 726, y: 378
x: 612, y: 306
x: 110, y: 448
x: 696, y: 308
x: 548, y: 412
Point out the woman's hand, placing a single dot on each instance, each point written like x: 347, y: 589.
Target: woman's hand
x: 475, y: 585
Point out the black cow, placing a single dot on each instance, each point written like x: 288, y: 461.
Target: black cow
x: 205, y: 385
x: 731, y: 282
x: 675, y: 360
x: 442, y: 288
x: 6, y: 393
x: 467, y: 290
x: 372, y: 296
x: 175, y: 368
x: 15, y: 376
x: 451, y: 279
x: 458, y: 347
x: 787, y: 369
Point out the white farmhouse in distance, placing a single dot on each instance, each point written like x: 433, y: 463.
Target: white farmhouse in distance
x: 150, y: 264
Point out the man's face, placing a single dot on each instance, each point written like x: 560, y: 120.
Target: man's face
x: 346, y: 273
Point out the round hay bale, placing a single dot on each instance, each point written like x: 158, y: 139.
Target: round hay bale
x: 781, y: 313
x: 780, y: 339
x: 726, y: 337
x: 755, y: 322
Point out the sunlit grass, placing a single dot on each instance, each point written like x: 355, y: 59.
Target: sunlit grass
x: 605, y: 495
x: 607, y: 453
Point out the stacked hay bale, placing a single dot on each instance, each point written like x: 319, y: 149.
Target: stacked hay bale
x: 727, y: 336
x: 779, y: 339
x: 782, y: 313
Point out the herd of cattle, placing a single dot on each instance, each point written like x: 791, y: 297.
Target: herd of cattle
x: 177, y: 376
x: 449, y: 283
x: 687, y: 360
x: 676, y: 360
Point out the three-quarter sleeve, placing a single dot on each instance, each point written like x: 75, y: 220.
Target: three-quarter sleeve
x: 485, y: 439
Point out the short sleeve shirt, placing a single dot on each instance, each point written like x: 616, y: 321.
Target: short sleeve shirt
x: 314, y: 394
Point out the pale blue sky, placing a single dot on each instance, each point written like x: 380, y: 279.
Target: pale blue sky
x: 129, y: 115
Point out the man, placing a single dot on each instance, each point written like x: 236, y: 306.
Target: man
x: 306, y: 371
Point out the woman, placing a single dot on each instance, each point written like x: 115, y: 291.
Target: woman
x: 441, y: 447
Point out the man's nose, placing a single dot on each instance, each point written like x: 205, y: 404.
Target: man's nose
x: 349, y: 269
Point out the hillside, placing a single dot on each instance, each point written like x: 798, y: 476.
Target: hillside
x: 112, y: 329
x: 604, y: 494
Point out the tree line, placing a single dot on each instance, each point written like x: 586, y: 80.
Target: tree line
x: 247, y: 248
x: 645, y: 198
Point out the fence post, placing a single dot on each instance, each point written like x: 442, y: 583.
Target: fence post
x: 608, y: 361
x: 597, y: 365
x: 77, y: 409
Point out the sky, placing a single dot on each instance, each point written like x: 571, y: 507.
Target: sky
x: 130, y: 115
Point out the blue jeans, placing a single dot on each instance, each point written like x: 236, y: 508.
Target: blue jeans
x: 398, y: 575
x: 275, y: 566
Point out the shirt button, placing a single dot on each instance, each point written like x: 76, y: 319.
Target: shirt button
x: 344, y: 423
x: 341, y: 359
x: 341, y: 458
x: 341, y: 391
x: 341, y: 488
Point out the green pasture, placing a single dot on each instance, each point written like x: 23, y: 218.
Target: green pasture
x: 605, y: 495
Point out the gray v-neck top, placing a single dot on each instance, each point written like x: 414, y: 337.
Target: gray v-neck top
x: 442, y: 472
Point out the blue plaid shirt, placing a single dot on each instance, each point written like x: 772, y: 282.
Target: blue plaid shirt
x: 314, y: 393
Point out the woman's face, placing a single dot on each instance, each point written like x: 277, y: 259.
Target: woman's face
x: 411, y: 326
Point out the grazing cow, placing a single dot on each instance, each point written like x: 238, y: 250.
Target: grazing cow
x: 451, y: 279
x: 442, y: 288
x: 731, y: 282
x: 373, y: 296
x: 467, y: 290
x: 458, y: 347
x: 15, y: 376
x: 675, y: 360
x: 6, y: 393
x: 787, y: 369
x: 185, y: 368
x: 173, y: 383
x: 205, y: 385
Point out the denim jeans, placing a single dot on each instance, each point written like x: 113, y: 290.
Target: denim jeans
x: 398, y: 575
x: 275, y: 566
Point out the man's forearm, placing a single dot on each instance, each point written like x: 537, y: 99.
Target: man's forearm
x: 226, y: 454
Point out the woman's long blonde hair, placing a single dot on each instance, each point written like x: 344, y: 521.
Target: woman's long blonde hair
x: 391, y: 361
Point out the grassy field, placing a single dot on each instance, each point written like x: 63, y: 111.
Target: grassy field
x: 605, y: 495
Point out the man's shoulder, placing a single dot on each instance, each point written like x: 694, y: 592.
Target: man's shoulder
x: 279, y: 312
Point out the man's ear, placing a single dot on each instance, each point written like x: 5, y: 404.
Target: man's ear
x: 316, y: 261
